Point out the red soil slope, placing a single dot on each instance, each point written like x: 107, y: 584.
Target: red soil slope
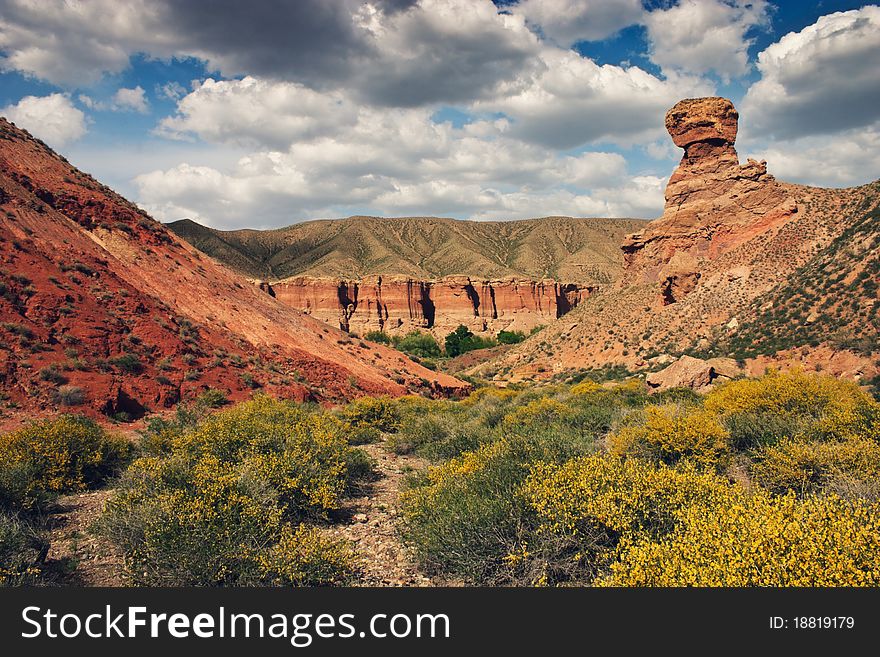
x: 99, y: 301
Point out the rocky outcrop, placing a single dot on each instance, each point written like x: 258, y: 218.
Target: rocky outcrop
x: 399, y: 304
x: 694, y: 373
x: 713, y: 203
x: 694, y: 279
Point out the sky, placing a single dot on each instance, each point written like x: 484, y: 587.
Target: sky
x: 265, y: 113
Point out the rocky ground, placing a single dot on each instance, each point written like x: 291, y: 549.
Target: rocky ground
x: 77, y: 557
x: 372, y: 528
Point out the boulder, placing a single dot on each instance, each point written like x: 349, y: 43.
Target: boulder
x: 694, y: 373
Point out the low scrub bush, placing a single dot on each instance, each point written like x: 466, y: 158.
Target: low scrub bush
x: 418, y: 344
x: 218, y: 505
x: 830, y: 408
x: 669, y: 434
x: 380, y: 413
x: 806, y: 467
x: 760, y: 540
x: 65, y: 454
x: 468, y: 514
x: 22, y: 551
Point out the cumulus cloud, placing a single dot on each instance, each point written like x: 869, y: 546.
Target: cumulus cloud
x: 573, y: 101
x: 823, y: 79
x: 569, y: 21
x: 253, y: 111
x: 75, y: 43
x: 391, y: 52
x: 700, y: 36
x: 843, y: 160
x: 131, y: 100
x: 124, y: 100
x: 396, y: 161
x: 53, y: 118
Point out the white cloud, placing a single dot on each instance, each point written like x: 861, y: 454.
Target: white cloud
x: 52, y: 118
x: 569, y: 21
x: 124, y: 100
x: 131, y: 100
x: 700, y: 36
x: 574, y: 101
x: 75, y: 43
x: 820, y: 80
x: 253, y: 111
x: 396, y: 161
x: 171, y: 90
x: 842, y: 160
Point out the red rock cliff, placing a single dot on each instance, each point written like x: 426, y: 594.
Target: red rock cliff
x: 398, y: 304
x: 713, y: 203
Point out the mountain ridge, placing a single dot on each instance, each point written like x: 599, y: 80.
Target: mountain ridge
x: 576, y: 250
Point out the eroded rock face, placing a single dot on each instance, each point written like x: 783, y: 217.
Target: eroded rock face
x: 399, y: 305
x: 713, y: 203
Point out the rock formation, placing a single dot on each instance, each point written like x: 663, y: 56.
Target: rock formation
x: 398, y: 304
x: 713, y: 204
x: 732, y: 252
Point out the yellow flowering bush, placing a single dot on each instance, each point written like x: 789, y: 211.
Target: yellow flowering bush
x: 759, y: 540
x: 838, y: 409
x: 586, y: 387
x: 805, y: 466
x: 584, y: 508
x: 535, y: 415
x: 669, y: 434
x: 308, y: 556
x: 64, y: 454
x: 377, y: 412
x: 212, y: 509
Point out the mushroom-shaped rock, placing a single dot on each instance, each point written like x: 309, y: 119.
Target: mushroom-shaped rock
x: 696, y: 120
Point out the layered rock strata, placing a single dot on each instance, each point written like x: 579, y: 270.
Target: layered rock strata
x: 399, y: 304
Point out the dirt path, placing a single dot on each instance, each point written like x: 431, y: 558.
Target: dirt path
x: 373, y: 530
x: 76, y: 556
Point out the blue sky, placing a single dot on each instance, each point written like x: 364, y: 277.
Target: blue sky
x: 278, y: 112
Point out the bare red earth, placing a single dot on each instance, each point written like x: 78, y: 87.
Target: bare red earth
x: 97, y: 296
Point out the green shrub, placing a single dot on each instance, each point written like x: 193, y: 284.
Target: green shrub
x: 212, y: 398
x: 378, y: 336
x: 215, y: 508
x: 22, y: 551
x: 65, y: 454
x: 128, y: 363
x: 462, y: 340
x: 379, y: 413
x: 416, y: 343
x: 510, y: 337
x: 468, y: 514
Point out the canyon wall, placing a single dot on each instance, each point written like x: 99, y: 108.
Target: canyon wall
x: 398, y: 305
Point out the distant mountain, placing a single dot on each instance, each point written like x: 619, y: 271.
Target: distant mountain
x: 739, y: 265
x: 422, y: 248
x: 104, y: 310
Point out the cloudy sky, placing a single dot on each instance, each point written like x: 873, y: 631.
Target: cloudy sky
x: 268, y: 112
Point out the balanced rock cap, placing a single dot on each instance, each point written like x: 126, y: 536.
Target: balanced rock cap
x: 701, y: 120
